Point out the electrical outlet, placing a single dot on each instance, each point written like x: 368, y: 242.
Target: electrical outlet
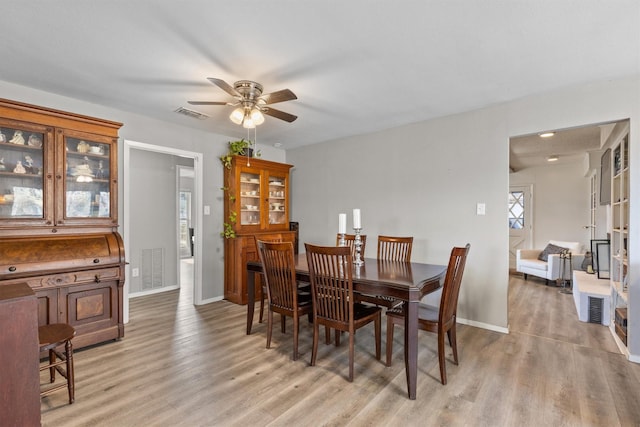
x: 481, y: 209
x: 135, y: 272
x: 207, y: 210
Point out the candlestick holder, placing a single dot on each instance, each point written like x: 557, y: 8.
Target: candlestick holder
x: 341, y: 240
x: 357, y: 243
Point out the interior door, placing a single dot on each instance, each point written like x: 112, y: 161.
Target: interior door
x: 520, y: 224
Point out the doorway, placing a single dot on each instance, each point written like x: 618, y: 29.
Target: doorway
x: 193, y: 160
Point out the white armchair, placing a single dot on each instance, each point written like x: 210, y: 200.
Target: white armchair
x: 527, y: 262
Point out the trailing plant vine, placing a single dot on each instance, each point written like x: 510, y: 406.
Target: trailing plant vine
x: 236, y: 148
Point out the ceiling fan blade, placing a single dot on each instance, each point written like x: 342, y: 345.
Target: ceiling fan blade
x: 278, y: 96
x: 209, y: 103
x: 278, y: 114
x: 225, y: 86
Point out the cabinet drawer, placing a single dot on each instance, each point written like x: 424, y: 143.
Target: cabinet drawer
x: 69, y: 278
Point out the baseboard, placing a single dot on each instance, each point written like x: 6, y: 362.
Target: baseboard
x: 210, y: 300
x: 483, y: 325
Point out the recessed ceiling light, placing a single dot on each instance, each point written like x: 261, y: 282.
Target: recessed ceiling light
x: 547, y: 134
x: 552, y: 158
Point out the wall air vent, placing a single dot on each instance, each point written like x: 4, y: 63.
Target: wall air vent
x: 191, y: 113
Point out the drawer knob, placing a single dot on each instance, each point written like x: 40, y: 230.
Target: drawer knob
x: 12, y: 268
x: 96, y: 261
x: 97, y: 279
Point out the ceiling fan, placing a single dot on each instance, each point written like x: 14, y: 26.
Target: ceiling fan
x: 251, y: 103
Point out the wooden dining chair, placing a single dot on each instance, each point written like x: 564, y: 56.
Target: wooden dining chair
x: 263, y: 285
x: 395, y: 248
x: 433, y: 319
x: 331, y: 272
x: 349, y: 240
x: 392, y: 249
x: 282, y: 288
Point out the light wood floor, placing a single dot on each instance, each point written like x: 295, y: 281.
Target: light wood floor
x: 181, y: 365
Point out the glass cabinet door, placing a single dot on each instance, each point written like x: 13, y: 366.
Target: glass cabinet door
x: 23, y: 187
x: 250, y: 206
x: 87, y: 170
x: 277, y: 200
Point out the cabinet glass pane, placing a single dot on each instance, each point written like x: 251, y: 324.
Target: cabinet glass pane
x: 87, y: 179
x: 21, y: 179
x: 277, y: 205
x: 249, y: 198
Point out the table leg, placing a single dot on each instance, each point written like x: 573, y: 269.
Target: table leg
x: 411, y: 346
x: 251, y: 296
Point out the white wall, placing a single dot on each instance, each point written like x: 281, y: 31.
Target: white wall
x: 425, y: 180
x: 560, y: 202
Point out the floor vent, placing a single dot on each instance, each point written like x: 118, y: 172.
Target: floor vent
x: 152, y: 268
x: 191, y: 113
x: 595, y: 309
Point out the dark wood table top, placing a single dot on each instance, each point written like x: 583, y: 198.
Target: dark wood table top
x: 402, y: 280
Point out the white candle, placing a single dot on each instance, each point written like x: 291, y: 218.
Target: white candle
x: 356, y: 218
x: 342, y: 223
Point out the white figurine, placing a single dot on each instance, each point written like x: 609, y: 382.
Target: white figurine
x: 3, y: 137
x: 19, y: 168
x: 2, y: 166
x: 17, y: 138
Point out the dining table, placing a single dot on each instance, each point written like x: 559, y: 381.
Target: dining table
x: 406, y: 281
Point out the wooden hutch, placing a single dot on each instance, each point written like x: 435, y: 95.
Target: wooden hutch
x: 256, y: 207
x: 58, y: 217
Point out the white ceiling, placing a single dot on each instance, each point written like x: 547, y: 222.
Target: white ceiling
x: 568, y: 145
x: 356, y: 66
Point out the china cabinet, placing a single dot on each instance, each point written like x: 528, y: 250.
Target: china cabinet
x: 620, y: 237
x: 58, y: 217
x: 58, y: 171
x: 256, y: 207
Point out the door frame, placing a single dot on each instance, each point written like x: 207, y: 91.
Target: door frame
x: 197, y: 205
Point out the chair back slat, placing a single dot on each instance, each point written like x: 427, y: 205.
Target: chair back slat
x: 395, y: 248
x: 279, y: 272
x: 349, y: 240
x: 452, y: 281
x: 330, y: 271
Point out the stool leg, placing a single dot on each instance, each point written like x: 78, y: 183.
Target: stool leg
x: 70, y: 374
x: 52, y: 370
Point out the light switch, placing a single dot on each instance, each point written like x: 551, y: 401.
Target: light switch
x: 135, y: 272
x: 207, y: 210
x: 481, y: 209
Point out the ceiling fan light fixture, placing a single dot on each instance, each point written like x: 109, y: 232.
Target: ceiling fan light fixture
x: 248, y: 123
x: 237, y: 116
x: 257, y: 117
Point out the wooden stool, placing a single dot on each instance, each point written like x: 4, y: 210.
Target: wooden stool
x: 51, y: 337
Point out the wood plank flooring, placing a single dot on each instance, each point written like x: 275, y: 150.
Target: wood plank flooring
x: 180, y: 365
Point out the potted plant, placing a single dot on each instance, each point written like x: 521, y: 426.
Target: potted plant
x: 237, y: 148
